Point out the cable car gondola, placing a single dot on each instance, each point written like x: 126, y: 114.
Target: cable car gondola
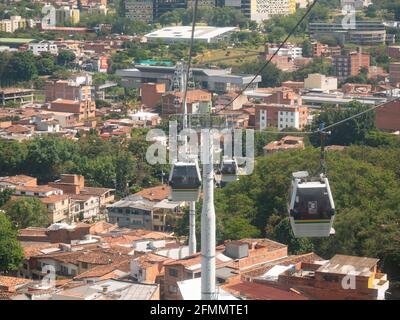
x: 185, y: 181
x: 229, y: 170
x: 311, y: 206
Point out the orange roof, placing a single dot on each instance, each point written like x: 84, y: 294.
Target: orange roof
x: 17, y: 129
x: 42, y: 188
x: 7, y: 282
x: 156, y: 193
x: 54, y: 198
x: 18, y: 179
x: 258, y: 291
x: 106, y: 270
x: 65, y: 101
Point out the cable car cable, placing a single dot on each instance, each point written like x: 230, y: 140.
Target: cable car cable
x: 274, y: 54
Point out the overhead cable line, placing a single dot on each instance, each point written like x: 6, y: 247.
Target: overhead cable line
x: 310, y: 7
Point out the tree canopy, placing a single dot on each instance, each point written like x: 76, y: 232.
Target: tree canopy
x: 11, y: 253
x: 26, y: 212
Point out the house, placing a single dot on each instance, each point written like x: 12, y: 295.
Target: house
x: 75, y: 185
x: 148, y: 209
x: 18, y: 180
x: 340, y: 278
x: 58, y: 207
x: 286, y: 143
x: 12, y: 284
x: 110, y: 290
x: 198, y: 101
x: 83, y: 109
x: 232, y: 259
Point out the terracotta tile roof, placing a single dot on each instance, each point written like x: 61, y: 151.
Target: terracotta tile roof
x: 7, y: 282
x: 32, y: 249
x: 54, y: 198
x: 257, y: 291
x: 149, y: 259
x: 194, y: 260
x: 102, y: 258
x: 65, y: 101
x: 42, y: 188
x: 17, y: 129
x: 95, y: 191
x: 32, y: 232
x: 261, y: 269
x: 103, y: 270
x: 156, y: 193
x: 81, y: 197
x: 17, y: 180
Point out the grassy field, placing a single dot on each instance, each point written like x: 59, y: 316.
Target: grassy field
x: 230, y: 57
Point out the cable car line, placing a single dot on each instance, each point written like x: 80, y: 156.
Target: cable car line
x: 310, y: 7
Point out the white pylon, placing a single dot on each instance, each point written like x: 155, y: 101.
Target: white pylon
x: 181, y: 83
x: 208, y: 286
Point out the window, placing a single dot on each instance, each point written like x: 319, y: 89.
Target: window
x: 84, y: 265
x: 330, y: 278
x: 173, y: 272
x: 172, y: 289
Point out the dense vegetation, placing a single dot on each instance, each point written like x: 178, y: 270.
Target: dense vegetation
x: 366, y: 187
x: 113, y: 164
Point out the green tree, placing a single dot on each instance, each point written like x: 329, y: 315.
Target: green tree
x: 236, y: 228
x: 26, y: 212
x: 5, y: 195
x: 11, y: 253
x: 66, y: 58
x: 307, y: 48
x: 22, y: 67
x: 349, y: 132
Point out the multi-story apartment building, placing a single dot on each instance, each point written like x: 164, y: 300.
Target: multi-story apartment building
x: 364, y: 33
x: 198, y: 101
x: 280, y: 116
x: 288, y: 50
x: 43, y: 46
x: 350, y: 64
x: 258, y: 10
x: 140, y: 10
x: 67, y: 16
x: 66, y: 89
x: 82, y: 109
x: 15, y: 23
x: 356, y: 4
x: 394, y: 72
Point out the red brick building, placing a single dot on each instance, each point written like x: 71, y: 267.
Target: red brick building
x: 152, y: 93
x: 197, y: 101
x: 388, y: 117
x: 84, y: 109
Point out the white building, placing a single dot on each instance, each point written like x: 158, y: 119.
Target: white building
x: 357, y: 4
x: 183, y: 34
x: 259, y: 10
x: 139, y: 10
x: 291, y: 51
x: 320, y: 82
x: 38, y: 48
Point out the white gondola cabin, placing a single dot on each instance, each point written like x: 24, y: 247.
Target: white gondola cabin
x: 229, y: 170
x: 311, y: 206
x: 185, y: 181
